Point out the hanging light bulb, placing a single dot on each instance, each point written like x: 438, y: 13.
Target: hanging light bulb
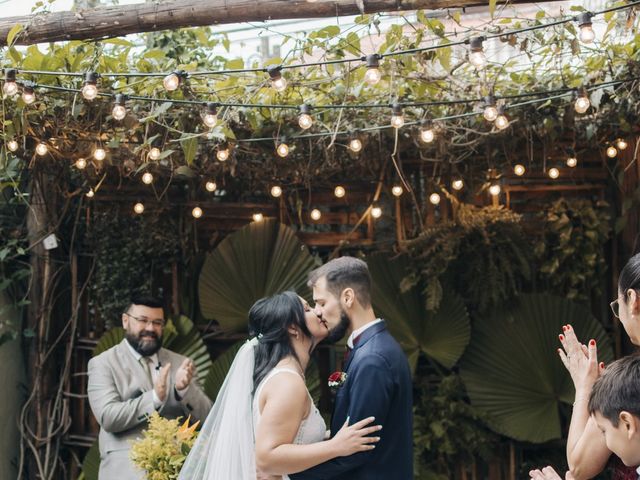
x: 10, y: 87
x: 278, y: 82
x: 28, y: 95
x: 119, y: 110
x: 283, y: 149
x: 315, y: 214
x: 211, y: 186
x: 210, y: 118
x: 339, y: 191
x: 495, y: 189
x: 572, y: 162
x: 196, y: 212
x: 397, y: 117
x: 372, y: 75
x: 376, y: 212
x: 258, y: 217
x: 519, y: 170
x: 147, y: 178
x: 586, y: 35
x: 90, y: 87
x: 582, y: 101
x: 427, y: 133
x: 477, y: 58
x: 99, y: 154
x: 554, y: 173
x: 612, y: 152
x: 138, y: 208
x: 172, y: 81
x: 397, y: 190
x: 81, y: 164
x: 434, y: 198
x: 223, y: 153
x: 276, y: 191
x: 90, y: 193
x: 42, y: 149
x: 621, y: 144
x: 457, y: 184
x: 355, y: 145
x: 304, y: 120
x: 154, y: 153
x: 490, y: 110
x: 12, y: 145
x: 501, y: 121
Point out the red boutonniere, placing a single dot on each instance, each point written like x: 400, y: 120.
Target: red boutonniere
x: 337, y: 379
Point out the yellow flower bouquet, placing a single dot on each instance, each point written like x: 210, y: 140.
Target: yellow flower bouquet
x: 163, y: 448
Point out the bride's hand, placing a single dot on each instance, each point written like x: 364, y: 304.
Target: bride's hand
x: 353, y: 438
x: 581, y: 361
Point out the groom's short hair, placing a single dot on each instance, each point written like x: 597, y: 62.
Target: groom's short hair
x: 345, y: 272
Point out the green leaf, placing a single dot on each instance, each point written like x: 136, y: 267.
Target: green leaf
x: 189, y: 147
x: 492, y: 7
x: 15, y: 30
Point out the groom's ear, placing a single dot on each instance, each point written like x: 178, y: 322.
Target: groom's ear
x: 348, y: 297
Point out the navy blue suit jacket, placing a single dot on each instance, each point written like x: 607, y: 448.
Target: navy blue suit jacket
x: 378, y: 384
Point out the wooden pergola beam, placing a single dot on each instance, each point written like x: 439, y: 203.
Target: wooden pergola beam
x: 115, y: 21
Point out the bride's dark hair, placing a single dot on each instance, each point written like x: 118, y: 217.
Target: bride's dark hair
x: 269, y: 320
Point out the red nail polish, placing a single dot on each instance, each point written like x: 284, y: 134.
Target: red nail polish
x: 564, y: 328
x: 601, y: 364
x: 559, y: 350
x: 592, y: 343
x: 568, y: 327
x: 561, y: 337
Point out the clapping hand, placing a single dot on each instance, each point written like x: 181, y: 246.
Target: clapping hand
x: 160, y: 385
x: 580, y: 360
x: 548, y: 473
x: 184, y: 375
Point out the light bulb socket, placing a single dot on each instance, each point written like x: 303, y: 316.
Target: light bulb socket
x: 91, y: 78
x: 489, y: 101
x: 372, y: 60
x: 120, y: 99
x: 10, y: 74
x: 274, y: 71
x: 396, y: 109
x: 27, y: 89
x: 426, y: 124
x: 305, y: 109
x: 584, y: 19
x: 212, y: 108
x: 476, y: 44
x: 581, y: 93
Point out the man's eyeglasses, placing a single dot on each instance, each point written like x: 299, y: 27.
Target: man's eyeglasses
x: 157, y: 323
x: 615, y: 307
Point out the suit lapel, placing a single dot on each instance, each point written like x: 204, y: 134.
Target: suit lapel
x: 135, y: 367
x: 364, y: 338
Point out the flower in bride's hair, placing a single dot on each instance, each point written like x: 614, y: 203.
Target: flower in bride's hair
x: 337, y: 379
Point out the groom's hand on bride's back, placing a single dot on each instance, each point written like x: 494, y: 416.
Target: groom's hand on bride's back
x: 354, y: 438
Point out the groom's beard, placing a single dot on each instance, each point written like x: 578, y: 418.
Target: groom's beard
x: 337, y: 332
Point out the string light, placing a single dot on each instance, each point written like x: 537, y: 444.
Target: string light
x: 434, y: 198
x: 258, y: 217
x: 586, y: 35
x: 81, y: 164
x: 621, y: 144
x: 495, y: 189
x: 223, y: 153
x: 154, y: 153
x: 372, y: 75
x: 612, y: 152
x: 196, y: 212
x: 90, y: 87
x: 28, y: 95
x: 10, y: 87
x: 210, y: 118
x: 582, y: 101
x: 12, y: 145
x: 376, y: 212
x: 90, y: 193
x: 490, y: 110
x: 278, y: 82
x: 477, y: 58
x: 147, y: 178
x: 172, y: 81
x: 304, y: 120
x: 283, y: 149
x: 315, y: 214
x: 501, y: 121
x: 554, y: 173
x: 99, y: 154
x: 138, y: 208
x: 42, y: 149
x: 211, y: 186
x: 427, y: 134
x: 572, y: 162
x: 397, y: 117
x: 355, y: 145
x: 119, y: 110
x: 339, y: 191
x: 519, y: 170
x: 457, y: 184
x: 276, y: 191
x: 397, y: 190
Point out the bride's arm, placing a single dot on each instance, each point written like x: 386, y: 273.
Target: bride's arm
x: 285, y: 403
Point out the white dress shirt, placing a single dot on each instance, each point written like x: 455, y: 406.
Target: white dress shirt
x: 356, y: 333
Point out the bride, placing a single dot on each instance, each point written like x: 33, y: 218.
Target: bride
x: 264, y: 419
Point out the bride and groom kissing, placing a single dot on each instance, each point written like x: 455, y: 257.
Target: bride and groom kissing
x: 264, y: 424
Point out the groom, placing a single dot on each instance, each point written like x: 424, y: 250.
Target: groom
x: 378, y: 381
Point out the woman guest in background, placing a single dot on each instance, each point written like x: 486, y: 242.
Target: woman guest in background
x: 587, y: 453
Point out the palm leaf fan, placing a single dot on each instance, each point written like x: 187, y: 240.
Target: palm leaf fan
x: 442, y: 335
x: 511, y: 369
x: 260, y: 259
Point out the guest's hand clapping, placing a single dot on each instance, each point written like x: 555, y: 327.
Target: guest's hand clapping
x: 581, y: 361
x: 548, y: 473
